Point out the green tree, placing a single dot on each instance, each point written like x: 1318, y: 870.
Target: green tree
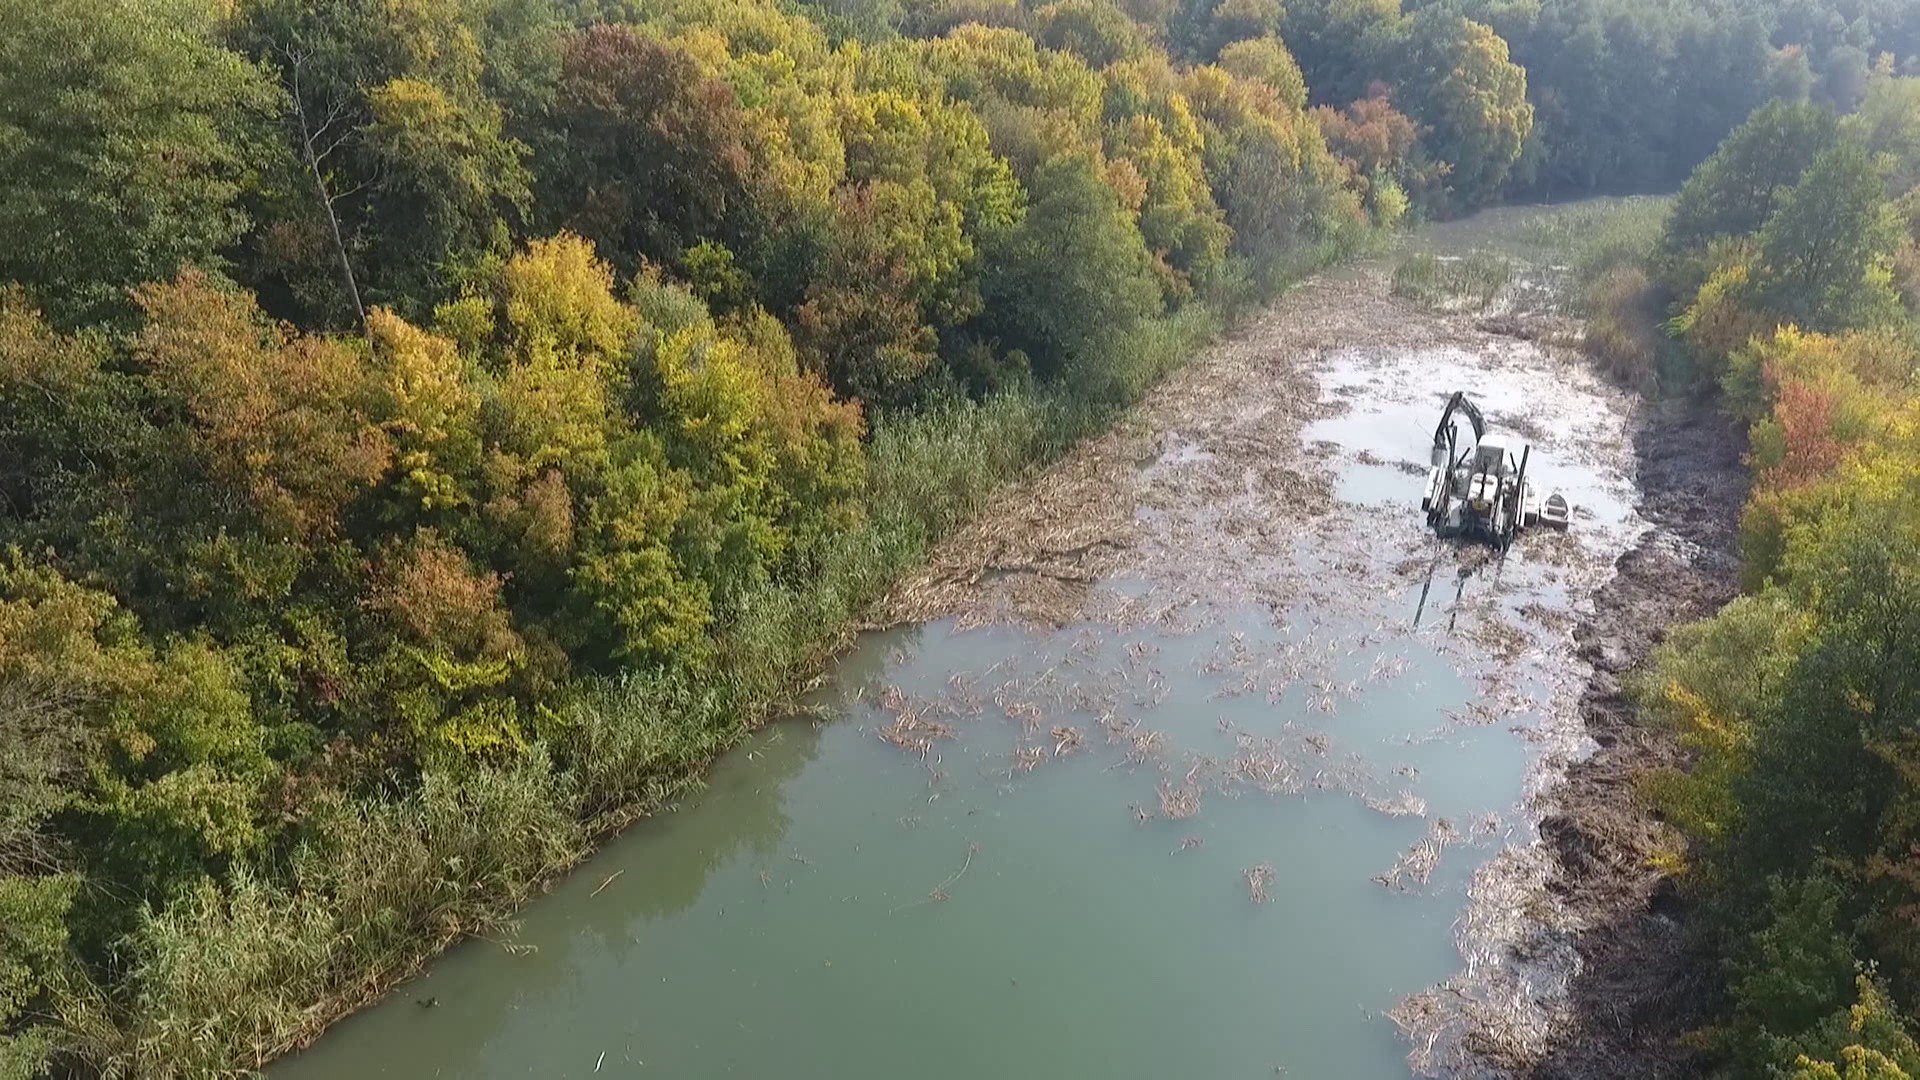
x: 127, y: 138
x: 1824, y: 251
x: 1456, y: 78
x: 33, y: 955
x: 1267, y: 60
x: 1200, y: 29
x: 1094, y: 30
x: 1867, y: 1041
x: 1799, y: 966
x: 1074, y: 279
x: 1342, y: 45
x: 1889, y: 123
x: 1736, y: 190
x: 1827, y: 764
x: 654, y: 161
x: 396, y: 177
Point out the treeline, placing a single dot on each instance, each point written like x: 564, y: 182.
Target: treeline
x: 1631, y: 95
x: 1789, y: 277
x: 435, y: 427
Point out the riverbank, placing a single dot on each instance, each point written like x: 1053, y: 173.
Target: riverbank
x: 1602, y: 980
x: 457, y: 862
x: 1640, y: 985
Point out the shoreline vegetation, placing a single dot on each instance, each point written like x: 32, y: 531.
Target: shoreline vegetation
x: 437, y: 427
x: 1756, y: 772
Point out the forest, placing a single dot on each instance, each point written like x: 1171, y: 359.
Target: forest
x: 1784, y: 288
x: 435, y: 428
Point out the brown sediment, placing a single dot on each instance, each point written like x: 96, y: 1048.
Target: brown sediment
x: 1206, y: 499
x: 1639, y: 985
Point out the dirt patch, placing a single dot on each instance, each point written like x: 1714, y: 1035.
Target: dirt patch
x: 1639, y: 984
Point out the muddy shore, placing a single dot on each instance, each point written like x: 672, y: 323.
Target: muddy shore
x: 1618, y: 924
x: 1195, y: 500
x: 1639, y: 985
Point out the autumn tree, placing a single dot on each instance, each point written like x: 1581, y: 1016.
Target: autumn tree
x: 1276, y: 182
x: 654, y: 160
x: 1456, y: 78
x: 1381, y: 145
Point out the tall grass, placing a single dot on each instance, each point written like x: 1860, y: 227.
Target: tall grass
x: 1597, y: 234
x: 1610, y: 246
x: 1623, y: 326
x: 1470, y: 283
x: 1627, y: 236
x: 236, y: 974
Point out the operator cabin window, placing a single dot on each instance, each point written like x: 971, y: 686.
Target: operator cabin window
x: 1492, y: 455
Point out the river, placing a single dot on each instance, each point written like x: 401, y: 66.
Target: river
x: 1199, y: 758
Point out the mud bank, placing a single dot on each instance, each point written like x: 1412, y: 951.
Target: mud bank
x: 1638, y: 985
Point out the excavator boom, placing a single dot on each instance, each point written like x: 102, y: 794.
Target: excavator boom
x: 1464, y: 405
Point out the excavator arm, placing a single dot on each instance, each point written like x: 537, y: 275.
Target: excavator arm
x: 1460, y: 403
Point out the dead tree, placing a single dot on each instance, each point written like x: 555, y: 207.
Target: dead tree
x: 319, y: 137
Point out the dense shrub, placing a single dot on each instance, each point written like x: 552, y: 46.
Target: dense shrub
x: 1798, y: 701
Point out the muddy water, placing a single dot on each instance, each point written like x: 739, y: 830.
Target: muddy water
x: 1201, y: 760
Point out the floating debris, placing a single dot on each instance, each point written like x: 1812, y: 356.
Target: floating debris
x: 1179, y: 803
x: 1028, y: 713
x: 1405, y: 804
x: 938, y: 894
x: 914, y: 733
x: 1417, y: 863
x: 1263, y: 763
x: 1259, y: 883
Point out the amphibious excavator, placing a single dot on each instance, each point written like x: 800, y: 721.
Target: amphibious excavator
x: 1479, y: 489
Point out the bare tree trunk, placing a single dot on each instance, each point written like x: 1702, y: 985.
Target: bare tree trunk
x: 314, y: 154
